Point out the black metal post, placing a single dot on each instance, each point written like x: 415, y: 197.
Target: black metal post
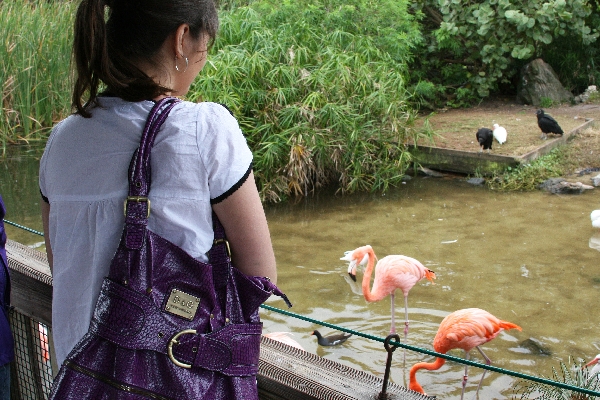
x: 388, y: 365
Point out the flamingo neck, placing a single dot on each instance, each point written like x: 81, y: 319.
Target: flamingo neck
x: 366, y: 282
x: 414, y: 385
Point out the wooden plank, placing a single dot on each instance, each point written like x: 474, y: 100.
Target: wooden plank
x: 31, y: 261
x: 469, y: 162
x: 284, y: 371
x: 464, y: 162
x: 31, y: 282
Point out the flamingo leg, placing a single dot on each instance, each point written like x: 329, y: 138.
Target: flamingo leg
x: 465, y: 377
x: 405, y: 317
x: 405, y: 325
x: 393, y: 328
x: 487, y: 362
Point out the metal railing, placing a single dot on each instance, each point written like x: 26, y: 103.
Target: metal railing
x: 31, y: 373
x: 30, y: 320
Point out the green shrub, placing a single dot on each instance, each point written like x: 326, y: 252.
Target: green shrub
x: 320, y: 91
x: 546, y: 102
x: 319, y: 87
x: 529, y: 176
x: 480, y: 46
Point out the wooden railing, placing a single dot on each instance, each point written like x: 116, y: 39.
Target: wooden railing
x: 284, y: 371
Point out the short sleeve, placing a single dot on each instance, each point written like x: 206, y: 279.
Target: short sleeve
x: 43, y: 164
x: 225, y: 152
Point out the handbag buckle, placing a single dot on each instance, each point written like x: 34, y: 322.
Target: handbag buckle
x: 173, y: 342
x: 137, y: 199
x: 219, y: 241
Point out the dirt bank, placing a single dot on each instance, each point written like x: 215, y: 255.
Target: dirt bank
x: 456, y: 128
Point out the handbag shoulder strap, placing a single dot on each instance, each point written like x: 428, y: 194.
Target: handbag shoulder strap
x: 139, y: 169
x: 137, y: 205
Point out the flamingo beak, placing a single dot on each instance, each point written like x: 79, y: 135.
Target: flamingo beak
x: 351, y: 256
x: 594, y: 361
x: 352, y: 270
x: 352, y: 264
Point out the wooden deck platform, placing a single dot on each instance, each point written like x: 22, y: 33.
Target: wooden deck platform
x: 470, y: 162
x: 284, y: 371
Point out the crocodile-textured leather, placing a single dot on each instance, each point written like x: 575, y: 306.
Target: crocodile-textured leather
x: 125, y: 354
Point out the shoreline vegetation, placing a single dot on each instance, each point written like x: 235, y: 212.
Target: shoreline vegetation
x: 320, y: 103
x: 321, y: 92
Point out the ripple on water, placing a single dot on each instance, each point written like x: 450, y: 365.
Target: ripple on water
x: 516, y: 255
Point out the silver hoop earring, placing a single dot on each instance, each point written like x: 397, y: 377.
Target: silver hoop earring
x: 186, y: 64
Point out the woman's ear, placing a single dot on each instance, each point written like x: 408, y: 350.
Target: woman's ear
x: 182, y: 35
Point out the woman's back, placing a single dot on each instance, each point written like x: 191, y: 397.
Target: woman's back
x: 198, y: 155
x: 144, y: 53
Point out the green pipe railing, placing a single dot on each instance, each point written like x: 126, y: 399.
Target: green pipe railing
x: 24, y: 227
x: 436, y: 354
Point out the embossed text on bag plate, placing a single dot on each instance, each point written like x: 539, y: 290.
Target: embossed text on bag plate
x: 182, y: 304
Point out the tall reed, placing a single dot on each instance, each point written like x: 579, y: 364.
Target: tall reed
x: 35, y: 54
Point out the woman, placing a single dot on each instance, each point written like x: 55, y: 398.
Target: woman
x: 145, y: 51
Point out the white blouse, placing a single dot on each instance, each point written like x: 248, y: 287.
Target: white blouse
x: 199, y: 157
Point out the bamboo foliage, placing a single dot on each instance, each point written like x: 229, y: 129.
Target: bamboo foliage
x: 319, y: 106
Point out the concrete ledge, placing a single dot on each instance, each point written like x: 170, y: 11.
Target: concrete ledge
x: 469, y: 162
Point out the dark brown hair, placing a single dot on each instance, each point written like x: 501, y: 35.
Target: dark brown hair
x: 113, y: 36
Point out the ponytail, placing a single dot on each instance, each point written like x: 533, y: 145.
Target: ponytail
x: 89, y: 52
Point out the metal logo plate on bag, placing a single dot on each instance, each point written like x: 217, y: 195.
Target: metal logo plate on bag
x: 182, y: 304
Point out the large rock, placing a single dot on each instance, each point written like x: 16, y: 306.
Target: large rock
x: 561, y: 186
x: 538, y: 81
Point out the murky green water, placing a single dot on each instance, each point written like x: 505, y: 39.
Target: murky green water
x: 525, y: 257
x: 20, y: 192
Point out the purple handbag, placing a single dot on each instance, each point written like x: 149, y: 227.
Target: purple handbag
x: 167, y: 326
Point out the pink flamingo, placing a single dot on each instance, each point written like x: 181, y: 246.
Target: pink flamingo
x: 392, y: 272
x: 463, y: 329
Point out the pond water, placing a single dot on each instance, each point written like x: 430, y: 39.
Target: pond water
x: 530, y: 258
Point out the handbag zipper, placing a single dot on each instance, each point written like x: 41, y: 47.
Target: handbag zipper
x: 121, y: 386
